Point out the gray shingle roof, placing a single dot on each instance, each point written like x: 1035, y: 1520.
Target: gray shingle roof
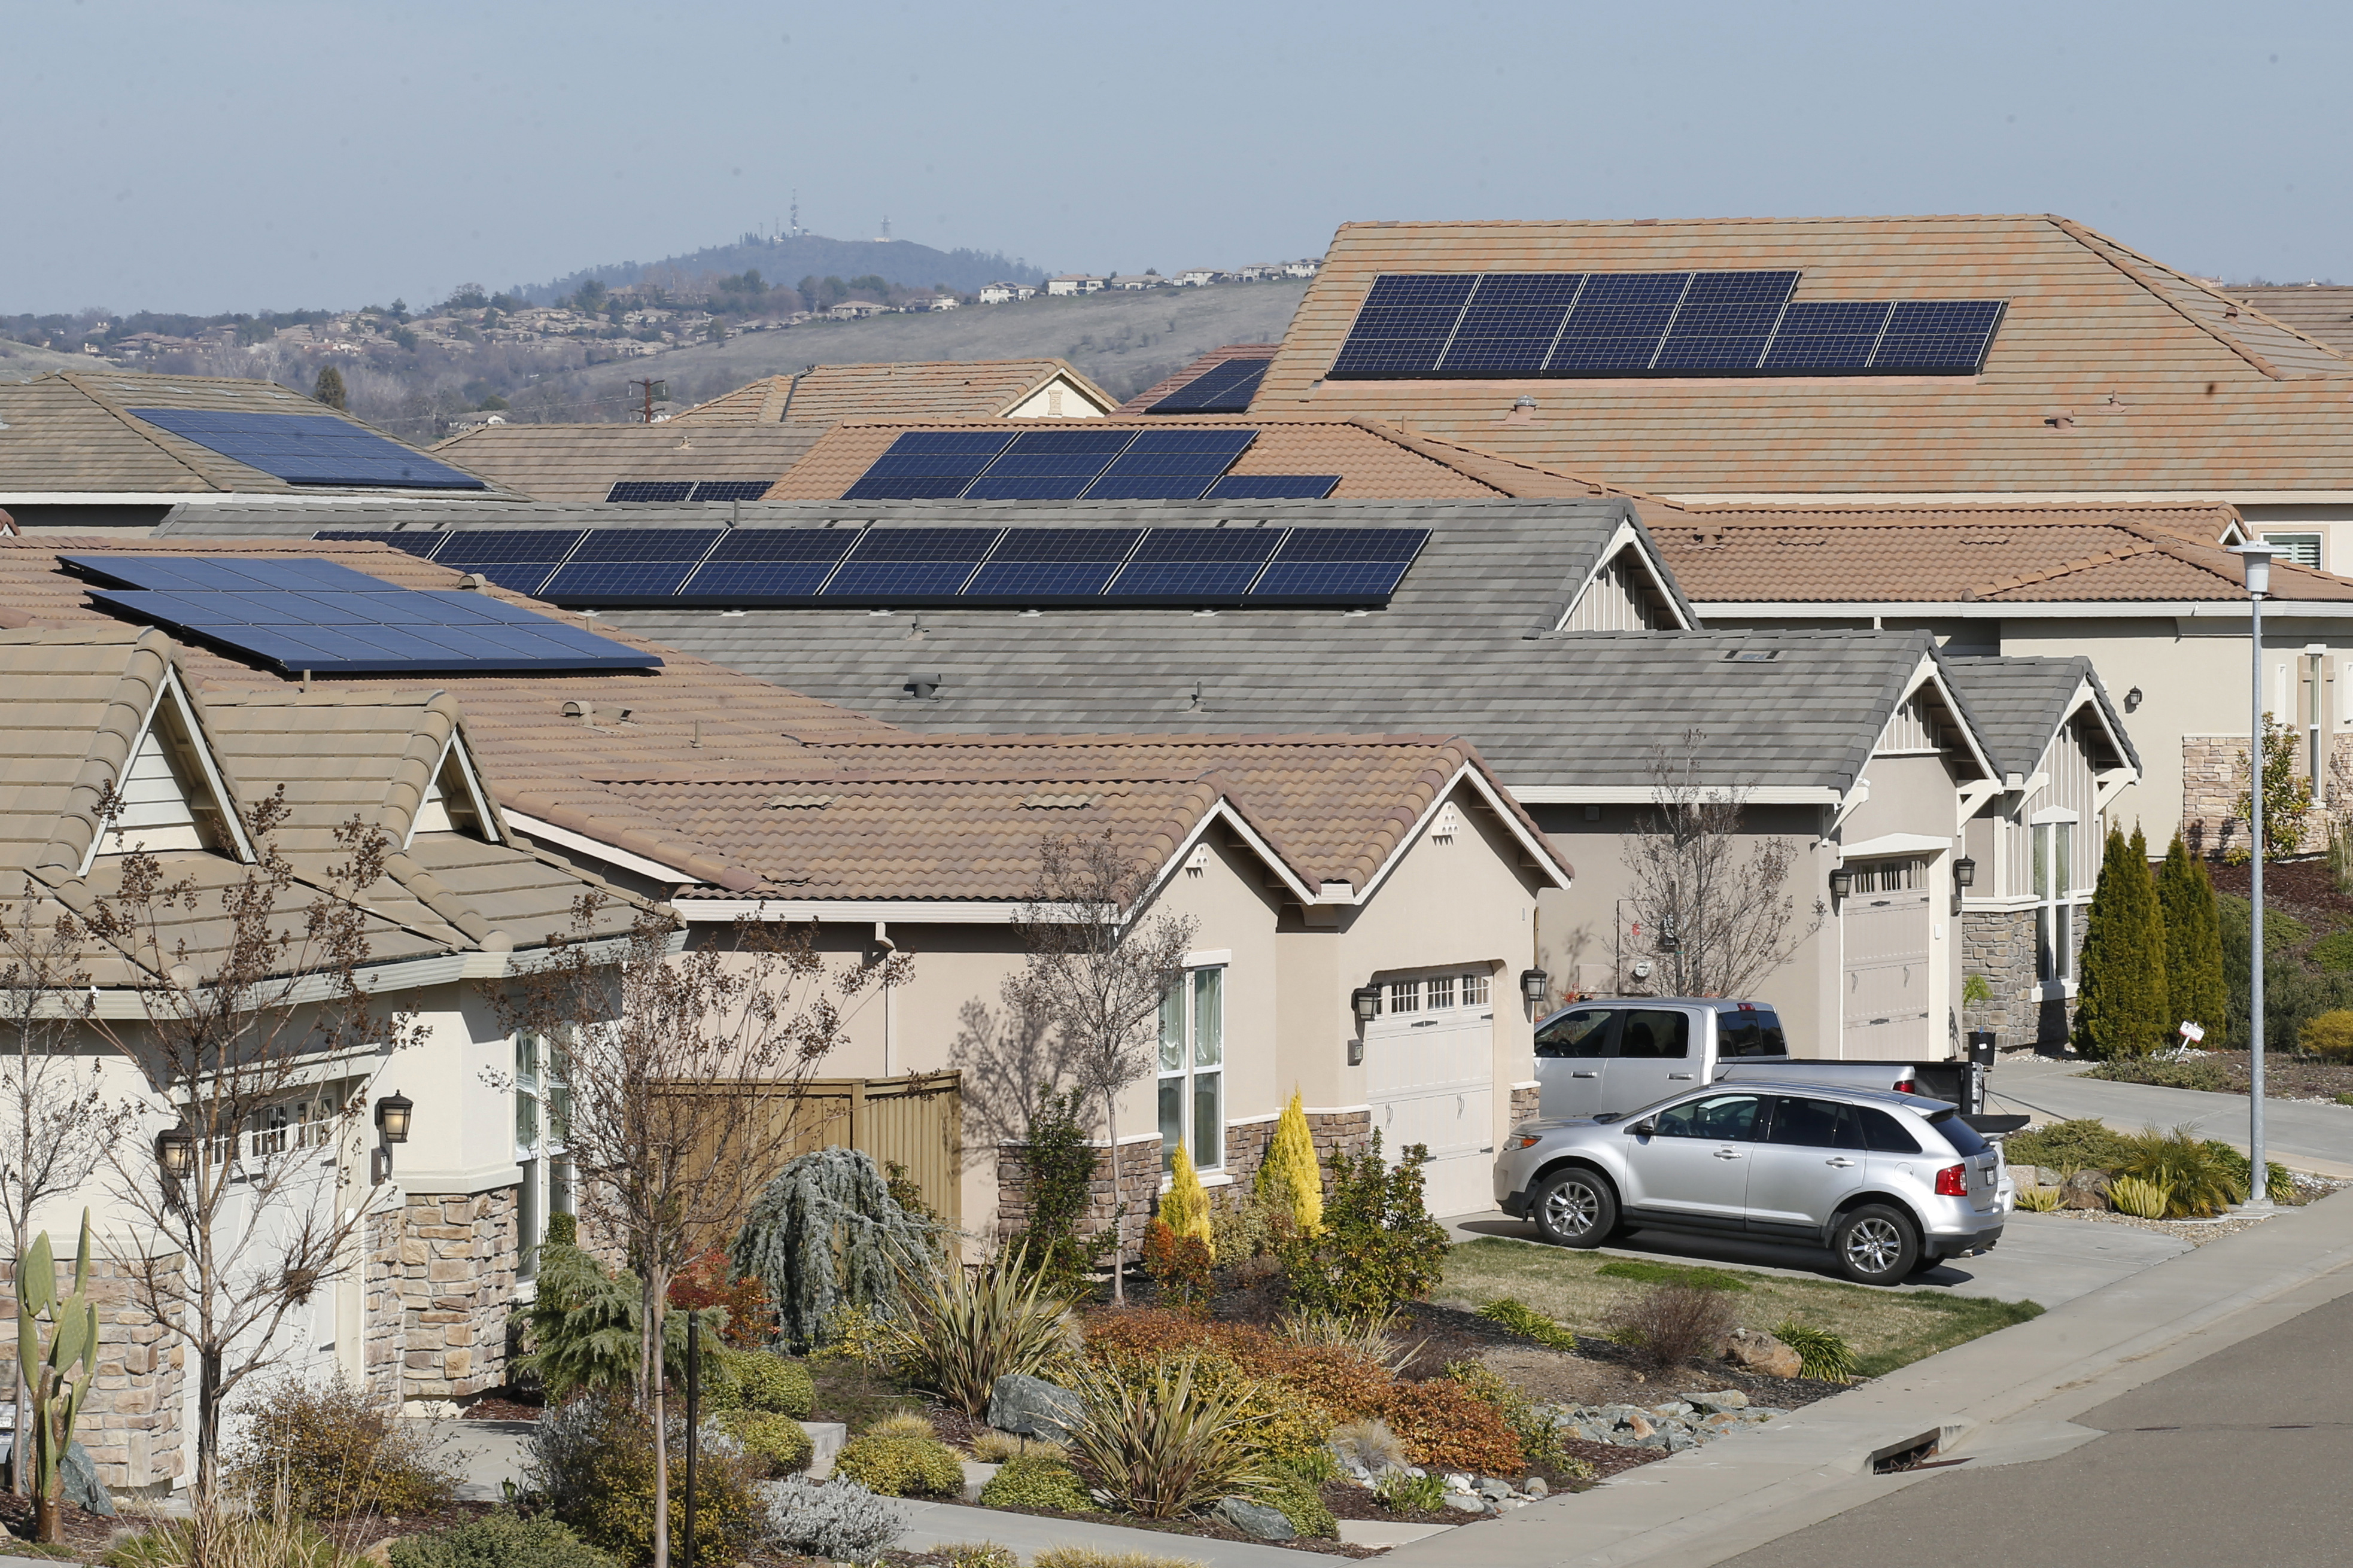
x: 2018, y: 703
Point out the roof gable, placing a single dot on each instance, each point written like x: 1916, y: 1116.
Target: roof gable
x: 937, y: 389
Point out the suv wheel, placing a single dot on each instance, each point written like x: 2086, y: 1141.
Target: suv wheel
x: 1877, y: 1245
x: 1576, y: 1208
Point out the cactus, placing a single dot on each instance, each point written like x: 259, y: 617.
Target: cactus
x: 57, y: 1390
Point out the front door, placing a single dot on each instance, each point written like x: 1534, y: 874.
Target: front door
x: 1810, y: 1157
x: 1655, y: 1057
x: 1569, y: 1051
x: 1695, y: 1165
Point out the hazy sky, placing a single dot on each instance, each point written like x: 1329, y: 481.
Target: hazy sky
x: 209, y: 155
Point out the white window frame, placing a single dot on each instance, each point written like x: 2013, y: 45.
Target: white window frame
x: 1422, y: 992
x: 2050, y: 849
x: 543, y: 1102
x: 2296, y: 546
x: 1192, y: 1061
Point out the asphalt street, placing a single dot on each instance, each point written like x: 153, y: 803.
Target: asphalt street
x: 2238, y: 1458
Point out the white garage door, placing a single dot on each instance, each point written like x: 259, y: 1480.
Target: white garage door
x: 1886, y: 920
x: 1430, y: 1077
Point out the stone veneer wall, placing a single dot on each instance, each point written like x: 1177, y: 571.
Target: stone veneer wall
x: 440, y: 1281
x: 131, y: 1422
x: 1527, y: 1103
x: 2212, y: 776
x: 2000, y: 945
x: 1138, y: 1188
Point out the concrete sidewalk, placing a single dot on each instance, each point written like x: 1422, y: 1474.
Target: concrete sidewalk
x: 2007, y: 1397
x: 2296, y: 1133
x: 936, y: 1524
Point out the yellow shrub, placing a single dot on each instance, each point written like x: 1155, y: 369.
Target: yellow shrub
x: 1185, y: 1208
x: 1290, y: 1178
x: 2329, y: 1035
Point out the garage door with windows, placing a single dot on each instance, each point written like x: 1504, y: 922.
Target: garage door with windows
x: 1886, y: 922
x: 1430, y: 1075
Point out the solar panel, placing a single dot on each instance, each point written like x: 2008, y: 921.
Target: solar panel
x: 929, y: 465
x: 1937, y: 337
x: 753, y: 564
x: 1339, y: 566
x: 650, y: 490
x: 1174, y: 464
x: 1825, y: 336
x: 909, y: 565
x: 1226, y: 388
x: 1040, y: 565
x: 616, y: 564
x: 732, y: 489
x: 1195, y: 565
x: 1273, y: 487
x: 1403, y: 327
x: 1510, y: 324
x: 517, y: 558
x: 1724, y: 322
x: 1618, y: 323
x: 320, y: 617
x: 415, y: 541
x: 309, y: 448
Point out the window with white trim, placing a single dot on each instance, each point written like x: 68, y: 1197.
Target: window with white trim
x: 543, y: 1117
x: 2303, y: 549
x: 1193, y: 1069
x: 1433, y: 994
x: 2052, y: 845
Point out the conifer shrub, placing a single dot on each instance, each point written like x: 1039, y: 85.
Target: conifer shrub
x: 1288, y: 1179
x: 1185, y: 1208
x: 2120, y: 1003
x: 2195, y: 987
x: 825, y: 1234
x: 2328, y: 1036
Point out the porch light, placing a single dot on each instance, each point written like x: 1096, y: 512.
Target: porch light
x: 1367, y: 1001
x: 175, y: 1152
x: 1965, y: 872
x: 1841, y: 882
x: 1532, y: 985
x: 392, y: 1114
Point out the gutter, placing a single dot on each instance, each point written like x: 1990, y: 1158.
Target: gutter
x: 859, y: 911
x: 2039, y: 609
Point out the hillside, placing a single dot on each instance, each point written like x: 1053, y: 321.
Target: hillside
x: 23, y: 361
x: 786, y: 261
x: 1124, y: 342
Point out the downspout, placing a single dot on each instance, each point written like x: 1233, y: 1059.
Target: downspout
x: 886, y: 947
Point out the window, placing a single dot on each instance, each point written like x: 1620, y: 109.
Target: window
x: 1731, y: 1117
x: 1405, y: 996
x: 1441, y: 992
x: 1474, y: 991
x: 1884, y: 1134
x: 1750, y: 1032
x: 2052, y: 847
x: 1582, y: 1034
x: 2303, y: 549
x: 1906, y: 876
x: 1192, y: 1070
x: 1655, y: 1035
x: 543, y: 1108
x: 1815, y: 1124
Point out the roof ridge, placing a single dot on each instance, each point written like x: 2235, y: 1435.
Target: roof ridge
x: 2223, y: 296
x: 2065, y: 568
x: 2106, y: 250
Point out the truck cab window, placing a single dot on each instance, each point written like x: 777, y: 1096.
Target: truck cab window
x: 1749, y: 1032
x: 1583, y: 1032
x: 1655, y: 1035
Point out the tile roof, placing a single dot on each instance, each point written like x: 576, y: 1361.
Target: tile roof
x: 934, y: 389
x: 2019, y: 703
x: 583, y: 462
x: 71, y: 433
x: 1992, y: 554
x: 2110, y: 371
x: 1166, y: 385
x: 962, y: 816
x: 2323, y: 311
x: 1374, y: 462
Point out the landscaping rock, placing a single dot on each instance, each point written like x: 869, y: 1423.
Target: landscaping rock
x: 1466, y: 1503
x: 1032, y: 1407
x: 2036, y: 1176
x: 1536, y: 1486
x: 1456, y: 1482
x: 1718, y: 1402
x: 1491, y: 1488
x: 82, y: 1487
x: 1635, y: 1422
x: 1757, y: 1351
x: 2085, y: 1190
x: 1256, y: 1520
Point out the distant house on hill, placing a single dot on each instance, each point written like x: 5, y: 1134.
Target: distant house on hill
x: 1074, y: 283
x: 1305, y: 268
x: 1006, y: 293
x: 1196, y: 276
x: 855, y: 309
x: 1134, y: 281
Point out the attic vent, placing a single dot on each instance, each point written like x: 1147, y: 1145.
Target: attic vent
x: 1059, y: 801
x: 1751, y: 656
x: 1448, y: 823
x: 801, y: 802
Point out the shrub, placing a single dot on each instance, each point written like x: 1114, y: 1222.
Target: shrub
x: 1378, y: 1245
x: 2195, y: 1183
x: 1166, y: 1446
x: 584, y: 1326
x: 1339, y: 1380
x: 1297, y: 1502
x: 1368, y: 1442
x: 1058, y: 1162
x: 1095, y: 1557
x: 2038, y: 1200
x: 1649, y: 1273
x: 2138, y: 1197
x: 2329, y: 1036
x: 959, y: 1331
x: 2335, y: 951
x: 994, y: 1448
x: 2191, y: 1074
x: 1540, y: 1441
x: 1444, y: 1425
x: 1820, y: 1353
x: 2278, y: 1184
x: 1039, y: 1481
x: 499, y: 1539
x: 2120, y: 1002
x: 836, y: 1519
x: 978, y: 1554
x: 1402, y: 1493
x: 2087, y: 1144
x: 777, y: 1444
x: 1185, y: 1208
x: 1179, y: 1264
x: 2193, y: 942
x: 331, y: 1447
x: 903, y: 1424
x: 1287, y: 1178
x: 826, y: 1233
x: 1671, y: 1324
x: 757, y: 1380
x: 252, y: 1542
x: 1247, y: 1231
x: 706, y: 1282
x: 1528, y: 1323
x: 593, y: 1461
x: 901, y: 1466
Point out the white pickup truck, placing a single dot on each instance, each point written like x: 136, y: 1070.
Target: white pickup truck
x: 1622, y: 1054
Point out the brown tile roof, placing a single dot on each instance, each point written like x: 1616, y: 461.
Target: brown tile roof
x: 1942, y: 555
x: 2323, y: 311
x: 1168, y: 385
x: 960, y: 816
x: 937, y: 389
x: 583, y: 462
x: 1374, y: 462
x: 71, y: 432
x: 2111, y: 371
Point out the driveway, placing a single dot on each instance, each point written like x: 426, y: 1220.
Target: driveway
x: 2314, y: 1137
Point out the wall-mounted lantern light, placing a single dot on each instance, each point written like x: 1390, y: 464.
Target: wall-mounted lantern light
x: 1965, y: 872
x: 392, y: 1113
x: 1367, y: 1001
x: 1532, y: 985
x: 175, y: 1152
x: 1841, y: 882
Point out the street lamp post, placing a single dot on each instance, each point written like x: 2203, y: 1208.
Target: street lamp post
x: 2257, y: 559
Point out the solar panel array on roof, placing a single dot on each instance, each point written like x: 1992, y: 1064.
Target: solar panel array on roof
x: 687, y: 489
x: 1052, y: 465
x: 909, y: 567
x: 324, y: 617
x: 1226, y: 388
x: 309, y: 448
x: 1514, y: 325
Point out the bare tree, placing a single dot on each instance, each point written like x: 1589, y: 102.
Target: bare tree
x: 56, y: 1119
x: 249, y: 1041
x: 1099, y: 974
x: 1008, y: 1059
x: 1720, y: 919
x: 686, y: 1070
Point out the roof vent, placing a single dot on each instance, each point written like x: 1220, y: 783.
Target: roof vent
x: 800, y: 802
x: 1751, y: 656
x: 473, y: 582
x: 923, y: 683
x: 1059, y: 801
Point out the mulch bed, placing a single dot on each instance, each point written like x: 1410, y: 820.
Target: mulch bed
x: 360, y: 1531
x: 2303, y: 887
x: 2286, y: 1076
x: 504, y: 1405
x: 85, y: 1532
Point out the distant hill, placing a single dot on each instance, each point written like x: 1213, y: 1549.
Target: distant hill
x: 1124, y: 342
x: 23, y: 361
x: 787, y: 261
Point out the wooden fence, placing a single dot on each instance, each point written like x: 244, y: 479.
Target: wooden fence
x: 915, y: 1121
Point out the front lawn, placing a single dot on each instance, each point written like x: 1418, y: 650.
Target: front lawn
x: 1887, y: 1329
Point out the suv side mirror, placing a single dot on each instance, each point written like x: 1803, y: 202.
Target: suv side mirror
x: 1643, y: 1130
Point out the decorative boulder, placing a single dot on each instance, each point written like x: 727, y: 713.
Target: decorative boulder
x: 1717, y: 1402
x: 1761, y: 1352
x: 1032, y: 1407
x: 82, y: 1487
x: 1256, y: 1520
x: 2085, y: 1190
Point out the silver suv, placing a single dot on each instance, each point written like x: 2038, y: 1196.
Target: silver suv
x: 1890, y: 1182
